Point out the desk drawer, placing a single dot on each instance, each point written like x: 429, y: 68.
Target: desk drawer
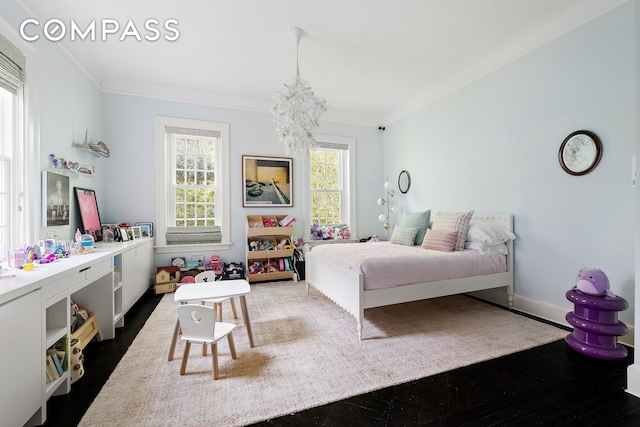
x: 98, y: 267
x: 60, y: 285
x: 74, y: 277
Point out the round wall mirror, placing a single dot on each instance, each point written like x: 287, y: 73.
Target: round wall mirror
x: 580, y: 152
x: 404, y: 182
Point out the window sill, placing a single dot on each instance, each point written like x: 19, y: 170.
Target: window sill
x: 200, y: 247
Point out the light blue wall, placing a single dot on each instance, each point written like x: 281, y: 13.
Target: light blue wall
x: 68, y: 103
x: 493, y: 147
x: 129, y: 127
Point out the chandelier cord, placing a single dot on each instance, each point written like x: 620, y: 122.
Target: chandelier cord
x: 297, y: 61
x: 297, y: 35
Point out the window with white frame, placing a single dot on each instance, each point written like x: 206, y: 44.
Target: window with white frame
x: 329, y: 172
x: 193, y: 195
x: 192, y: 185
x: 18, y: 214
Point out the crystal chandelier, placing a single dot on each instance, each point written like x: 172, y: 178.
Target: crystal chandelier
x: 296, y: 111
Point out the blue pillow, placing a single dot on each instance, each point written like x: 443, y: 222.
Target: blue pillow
x: 420, y: 220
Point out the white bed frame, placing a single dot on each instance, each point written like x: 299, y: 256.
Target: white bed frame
x: 346, y: 288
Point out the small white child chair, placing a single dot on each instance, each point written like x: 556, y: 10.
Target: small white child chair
x: 198, y: 324
x: 210, y: 276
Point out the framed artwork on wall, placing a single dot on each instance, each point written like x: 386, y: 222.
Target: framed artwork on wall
x: 55, y: 199
x: 267, y: 181
x: 89, y: 215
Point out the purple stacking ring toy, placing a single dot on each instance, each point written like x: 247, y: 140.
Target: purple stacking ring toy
x: 595, y: 317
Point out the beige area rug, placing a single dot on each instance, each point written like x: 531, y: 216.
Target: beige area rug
x: 306, y: 354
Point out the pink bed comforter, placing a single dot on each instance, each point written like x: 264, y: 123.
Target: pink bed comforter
x: 386, y: 265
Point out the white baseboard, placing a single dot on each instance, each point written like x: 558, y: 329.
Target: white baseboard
x: 633, y: 379
x: 543, y: 310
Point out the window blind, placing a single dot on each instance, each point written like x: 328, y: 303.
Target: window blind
x: 193, y: 235
x: 12, y: 66
x: 332, y: 145
x: 174, y: 130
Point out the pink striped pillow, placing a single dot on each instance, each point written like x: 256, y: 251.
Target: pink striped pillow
x: 453, y: 221
x: 444, y: 241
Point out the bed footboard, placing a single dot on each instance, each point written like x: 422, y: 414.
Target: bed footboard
x: 339, y: 284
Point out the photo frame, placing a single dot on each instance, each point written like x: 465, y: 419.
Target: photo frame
x: 87, y: 205
x: 124, y: 234
x: 180, y: 262
x: 144, y: 231
x: 135, y: 230
x: 267, y: 181
x: 148, y: 224
x: 109, y: 233
x: 55, y: 199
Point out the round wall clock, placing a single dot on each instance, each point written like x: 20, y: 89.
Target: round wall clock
x: 580, y: 152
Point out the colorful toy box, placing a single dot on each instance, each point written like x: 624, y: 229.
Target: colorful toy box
x: 17, y: 257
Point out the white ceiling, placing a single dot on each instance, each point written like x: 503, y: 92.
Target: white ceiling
x: 374, y: 61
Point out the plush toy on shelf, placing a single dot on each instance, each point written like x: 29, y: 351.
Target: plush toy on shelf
x: 284, y: 244
x: 256, y: 268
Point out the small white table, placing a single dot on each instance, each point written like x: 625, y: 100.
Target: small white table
x: 189, y: 292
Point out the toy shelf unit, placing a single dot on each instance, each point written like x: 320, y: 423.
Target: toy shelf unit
x: 269, y: 248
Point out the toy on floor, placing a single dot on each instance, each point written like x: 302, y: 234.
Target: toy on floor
x: 216, y: 265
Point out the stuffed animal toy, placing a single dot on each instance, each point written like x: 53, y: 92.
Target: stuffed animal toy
x: 316, y: 233
x: 284, y: 244
x: 256, y: 268
x: 593, y: 281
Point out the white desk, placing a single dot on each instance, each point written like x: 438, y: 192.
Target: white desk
x: 40, y: 299
x: 192, y: 292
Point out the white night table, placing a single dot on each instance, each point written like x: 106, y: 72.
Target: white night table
x: 191, y: 292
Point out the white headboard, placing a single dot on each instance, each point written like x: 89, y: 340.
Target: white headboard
x: 505, y: 219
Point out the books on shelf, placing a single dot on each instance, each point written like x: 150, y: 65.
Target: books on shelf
x: 52, y: 372
x: 287, y: 221
x: 51, y: 353
x: 56, y: 360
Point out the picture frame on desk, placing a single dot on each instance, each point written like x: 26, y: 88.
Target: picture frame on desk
x: 55, y: 199
x: 148, y: 224
x: 135, y: 230
x: 89, y: 214
x: 145, y: 231
x: 124, y: 234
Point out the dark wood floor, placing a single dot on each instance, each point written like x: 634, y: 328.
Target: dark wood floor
x: 549, y: 385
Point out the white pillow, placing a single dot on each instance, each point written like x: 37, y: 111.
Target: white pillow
x: 484, y: 249
x: 488, y: 233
